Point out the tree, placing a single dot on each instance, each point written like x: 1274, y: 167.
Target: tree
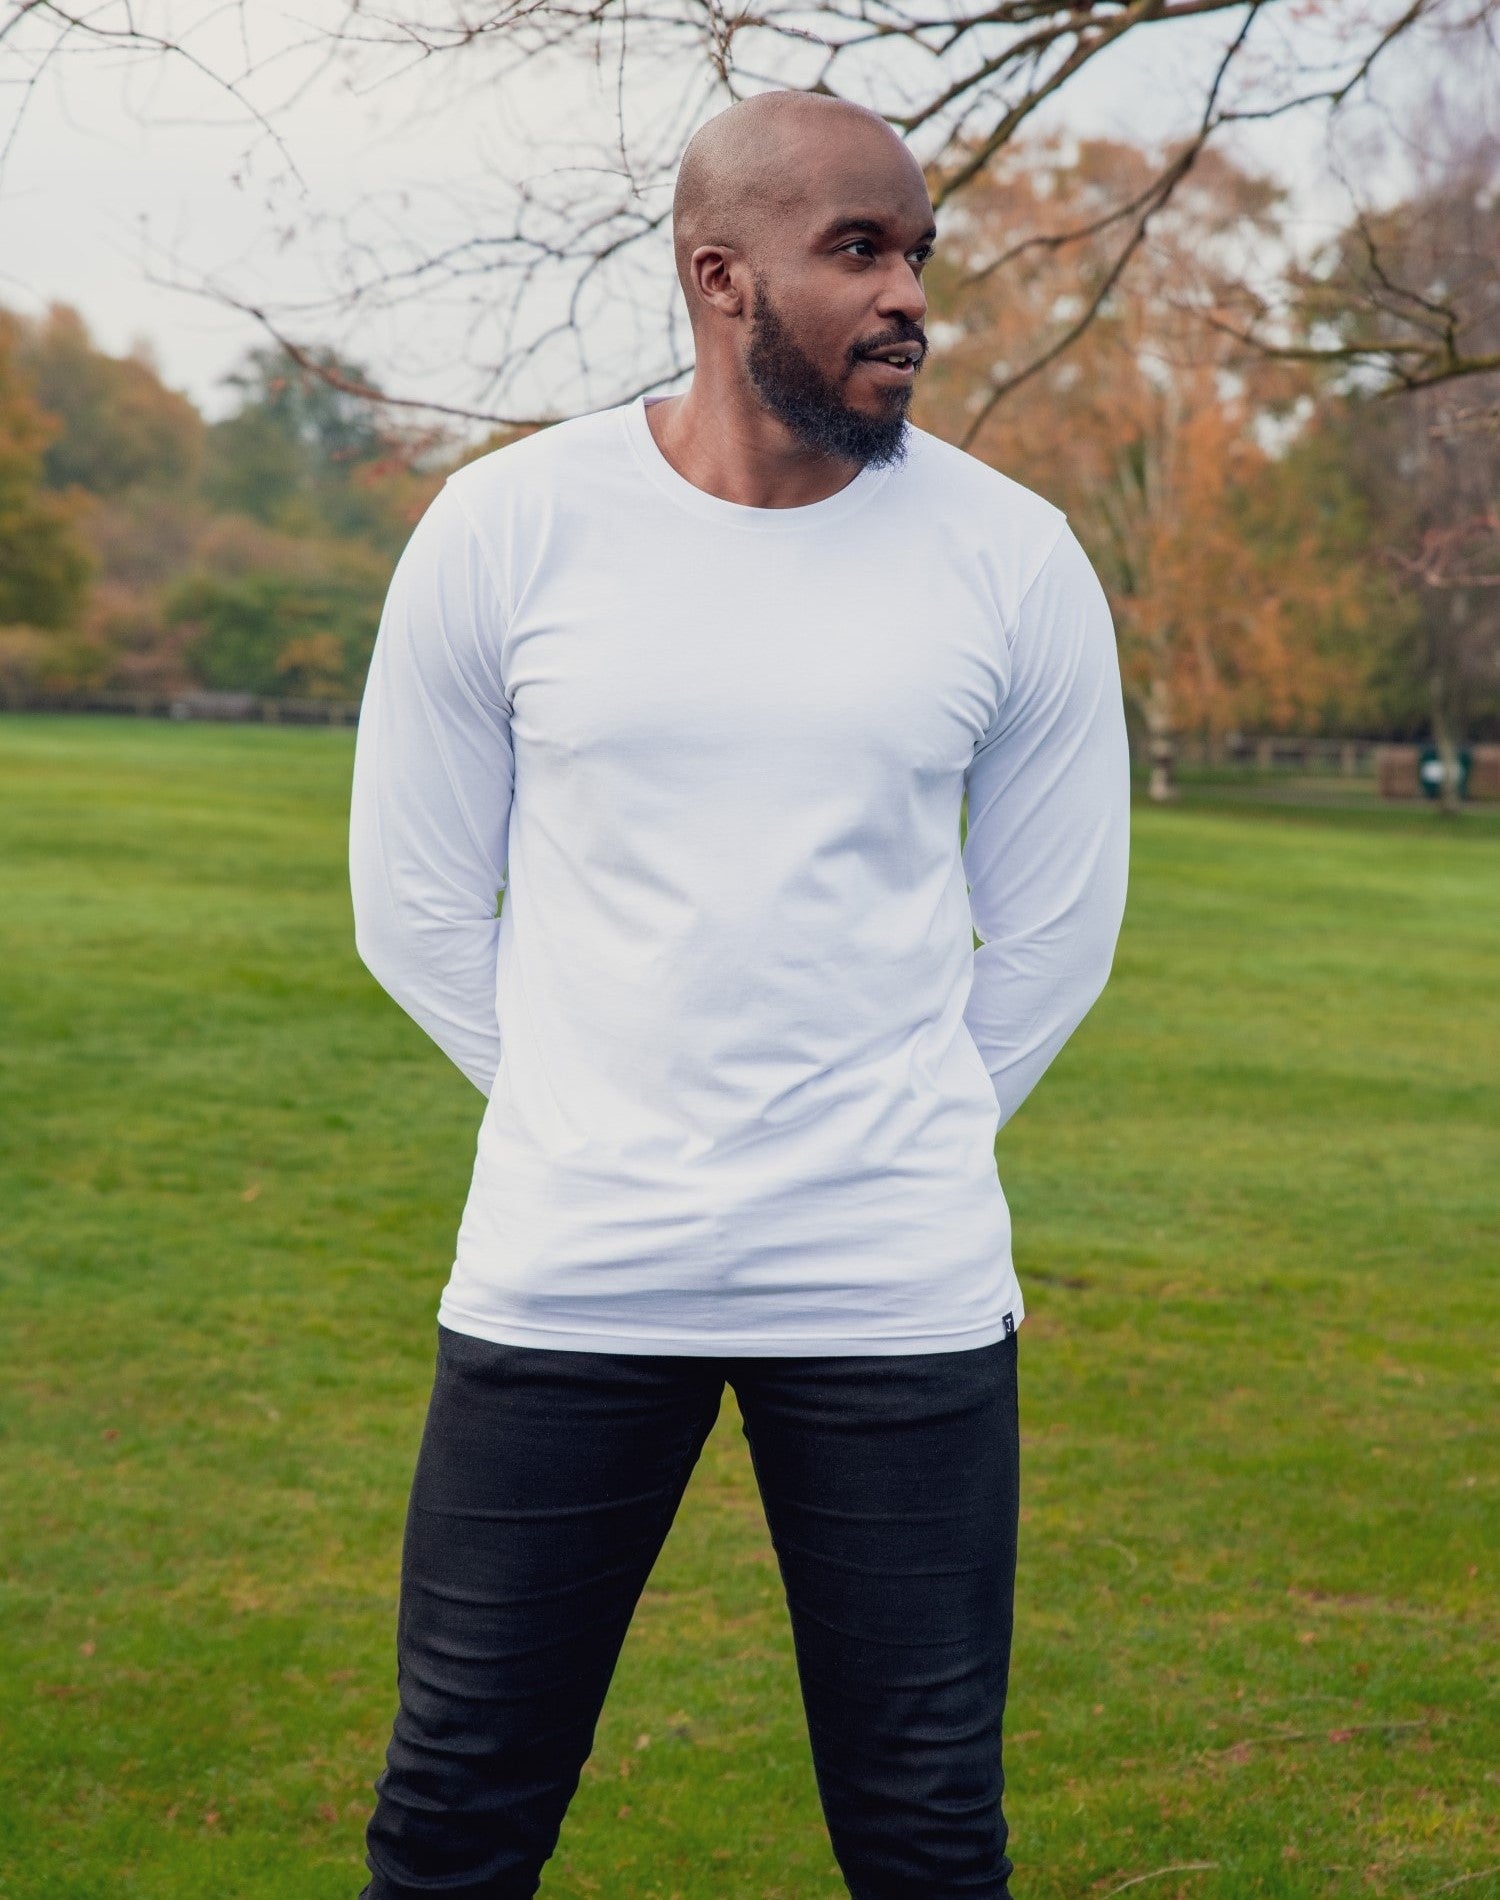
x: 251, y: 555
x: 1405, y: 296
x: 1428, y: 467
x: 564, y: 269
x: 300, y: 621
x: 121, y: 427
x: 304, y: 454
x: 43, y: 568
x: 1430, y: 480
x: 1152, y: 431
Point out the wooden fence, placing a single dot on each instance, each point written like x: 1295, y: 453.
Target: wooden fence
x: 241, y: 708
x: 1395, y: 768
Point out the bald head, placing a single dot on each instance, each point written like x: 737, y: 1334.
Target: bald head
x: 755, y: 165
x: 802, y: 227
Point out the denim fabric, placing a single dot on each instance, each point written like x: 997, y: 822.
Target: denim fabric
x: 544, y: 1488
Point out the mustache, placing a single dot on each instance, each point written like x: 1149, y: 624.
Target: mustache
x: 905, y: 331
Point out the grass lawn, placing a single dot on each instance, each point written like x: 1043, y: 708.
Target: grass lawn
x: 1257, y: 1210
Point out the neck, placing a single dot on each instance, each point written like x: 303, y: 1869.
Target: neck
x: 723, y: 440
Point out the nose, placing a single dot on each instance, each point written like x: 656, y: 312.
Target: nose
x: 901, y: 294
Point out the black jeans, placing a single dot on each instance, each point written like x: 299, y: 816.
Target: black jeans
x: 545, y: 1486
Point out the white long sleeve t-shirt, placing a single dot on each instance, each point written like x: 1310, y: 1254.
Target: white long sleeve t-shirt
x: 743, y: 1065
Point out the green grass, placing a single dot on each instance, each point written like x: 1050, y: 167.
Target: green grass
x: 1257, y: 1207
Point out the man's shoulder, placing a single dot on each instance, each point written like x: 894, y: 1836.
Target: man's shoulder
x: 968, y: 485
x: 531, y: 462
x: 984, y: 520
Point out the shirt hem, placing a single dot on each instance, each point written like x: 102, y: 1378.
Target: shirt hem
x: 505, y: 1332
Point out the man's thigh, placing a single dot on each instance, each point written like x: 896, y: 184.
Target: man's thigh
x: 891, y: 1486
x: 544, y: 1488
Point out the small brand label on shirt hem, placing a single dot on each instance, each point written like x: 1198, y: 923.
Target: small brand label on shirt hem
x: 739, y: 1346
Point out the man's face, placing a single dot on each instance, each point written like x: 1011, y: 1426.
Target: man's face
x: 836, y: 340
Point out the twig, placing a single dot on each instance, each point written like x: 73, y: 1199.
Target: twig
x: 1462, y: 1881
x: 1341, y: 1729
x: 1159, y: 1873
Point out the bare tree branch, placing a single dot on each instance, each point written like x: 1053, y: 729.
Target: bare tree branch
x: 563, y: 285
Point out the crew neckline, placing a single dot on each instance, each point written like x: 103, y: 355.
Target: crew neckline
x: 736, y: 514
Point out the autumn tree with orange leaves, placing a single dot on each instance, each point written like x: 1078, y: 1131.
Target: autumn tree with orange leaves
x: 1155, y: 429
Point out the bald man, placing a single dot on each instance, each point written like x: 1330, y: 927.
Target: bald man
x: 655, y: 831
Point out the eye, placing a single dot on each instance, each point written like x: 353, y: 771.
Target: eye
x: 868, y: 243
x: 921, y: 255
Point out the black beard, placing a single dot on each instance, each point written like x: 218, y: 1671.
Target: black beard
x: 812, y: 406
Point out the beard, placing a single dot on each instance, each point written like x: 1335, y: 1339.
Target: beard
x: 812, y: 405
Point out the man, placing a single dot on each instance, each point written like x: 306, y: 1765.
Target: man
x: 702, y: 682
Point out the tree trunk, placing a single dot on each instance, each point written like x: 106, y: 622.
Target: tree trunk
x: 1447, y: 748
x: 1163, y: 784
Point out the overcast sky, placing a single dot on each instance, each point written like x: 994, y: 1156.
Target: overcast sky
x: 124, y: 168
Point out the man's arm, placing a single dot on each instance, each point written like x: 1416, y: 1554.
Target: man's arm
x: 1047, y: 849
x: 430, y: 804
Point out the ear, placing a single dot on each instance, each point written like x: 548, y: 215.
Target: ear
x: 716, y: 273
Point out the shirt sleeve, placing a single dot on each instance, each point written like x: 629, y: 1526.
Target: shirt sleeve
x: 1047, y: 848
x: 431, y: 793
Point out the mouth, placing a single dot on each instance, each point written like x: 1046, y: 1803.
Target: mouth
x: 895, y: 364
